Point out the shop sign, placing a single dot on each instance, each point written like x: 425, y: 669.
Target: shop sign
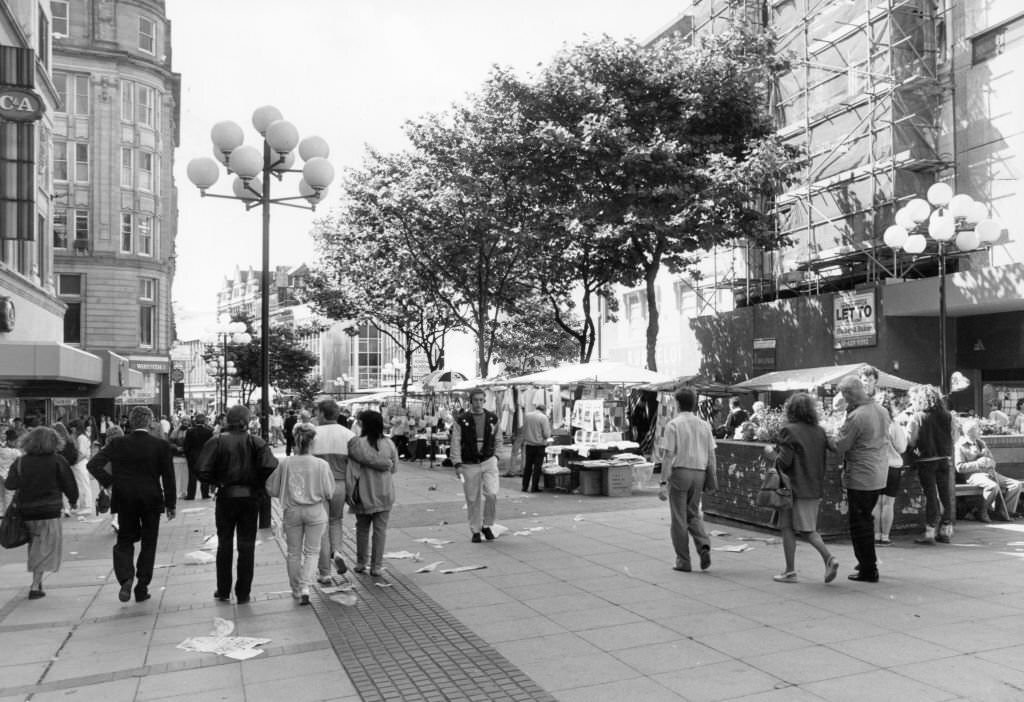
x: 19, y: 104
x: 764, y: 354
x: 854, y: 319
x: 151, y: 366
x: 64, y: 402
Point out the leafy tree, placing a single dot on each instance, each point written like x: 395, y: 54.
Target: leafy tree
x: 532, y: 339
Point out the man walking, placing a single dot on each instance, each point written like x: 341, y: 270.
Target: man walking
x: 195, y: 438
x: 475, y: 436
x: 536, y: 433
x: 142, y: 476
x: 238, y: 464
x: 331, y: 444
x: 289, y: 426
x: 688, y: 458
x: 862, y: 443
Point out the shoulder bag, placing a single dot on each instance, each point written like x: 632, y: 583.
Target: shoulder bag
x: 775, y: 492
x: 13, y: 532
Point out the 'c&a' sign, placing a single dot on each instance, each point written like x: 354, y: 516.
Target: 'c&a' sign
x: 19, y: 104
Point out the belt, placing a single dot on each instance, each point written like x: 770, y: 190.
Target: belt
x: 687, y: 468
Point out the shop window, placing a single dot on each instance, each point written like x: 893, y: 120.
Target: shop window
x: 73, y: 323
x: 147, y: 35
x: 59, y: 10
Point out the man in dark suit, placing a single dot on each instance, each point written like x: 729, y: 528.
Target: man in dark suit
x: 142, y: 476
x: 196, y: 437
x: 289, y: 426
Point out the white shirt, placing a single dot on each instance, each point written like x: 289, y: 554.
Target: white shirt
x: 688, y: 443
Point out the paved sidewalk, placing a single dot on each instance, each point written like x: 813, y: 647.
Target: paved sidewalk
x: 583, y: 607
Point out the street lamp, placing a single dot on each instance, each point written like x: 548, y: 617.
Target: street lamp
x: 945, y: 217
x: 222, y: 367
x: 342, y: 381
x: 253, y: 173
x: 394, y: 368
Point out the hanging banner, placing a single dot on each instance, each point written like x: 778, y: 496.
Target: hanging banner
x: 854, y: 319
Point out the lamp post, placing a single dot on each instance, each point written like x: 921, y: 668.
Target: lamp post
x: 944, y: 217
x: 394, y: 368
x: 223, y: 367
x: 342, y: 381
x: 253, y: 172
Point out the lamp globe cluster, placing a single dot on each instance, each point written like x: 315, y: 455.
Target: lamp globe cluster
x: 945, y: 217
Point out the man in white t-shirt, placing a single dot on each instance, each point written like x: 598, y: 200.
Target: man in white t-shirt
x: 331, y: 444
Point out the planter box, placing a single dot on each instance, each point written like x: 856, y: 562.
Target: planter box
x: 1008, y: 450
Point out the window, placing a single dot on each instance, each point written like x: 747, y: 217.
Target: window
x: 59, y: 10
x: 81, y: 228
x: 145, y: 231
x: 988, y: 45
x: 127, y: 231
x: 635, y: 306
x: 81, y: 162
x: 147, y: 35
x: 144, y: 105
x: 44, y: 39
x: 127, y: 167
x: 147, y: 314
x: 60, y: 160
x: 73, y: 90
x: 73, y: 323
x: 81, y: 89
x: 60, y: 229
x: 145, y: 171
x: 127, y: 101
x: 69, y: 284
x: 147, y: 289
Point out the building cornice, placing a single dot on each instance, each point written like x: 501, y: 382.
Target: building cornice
x: 116, y: 55
x: 17, y: 283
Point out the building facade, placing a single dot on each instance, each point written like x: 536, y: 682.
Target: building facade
x: 115, y: 128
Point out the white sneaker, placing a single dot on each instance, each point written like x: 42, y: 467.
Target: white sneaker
x: 787, y: 577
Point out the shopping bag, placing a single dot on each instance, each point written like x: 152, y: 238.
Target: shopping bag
x: 13, y: 532
x: 775, y: 491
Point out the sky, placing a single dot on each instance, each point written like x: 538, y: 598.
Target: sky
x: 352, y: 72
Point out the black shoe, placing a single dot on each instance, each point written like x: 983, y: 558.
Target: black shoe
x: 488, y: 534
x: 526, y: 489
x: 242, y: 600
x: 536, y: 489
x: 304, y: 600
x: 705, y: 558
x: 36, y: 594
x: 125, y: 593
x: 221, y: 598
x: 476, y: 537
x: 189, y: 498
x: 142, y: 594
x: 863, y: 577
x: 339, y: 563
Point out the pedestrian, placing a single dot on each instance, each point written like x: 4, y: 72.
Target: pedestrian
x: 83, y: 447
x: 862, y: 441
x: 276, y: 428
x: 400, y: 433
x: 66, y: 448
x: 9, y: 453
x: 976, y: 466
x: 289, y: 427
x: 40, y: 491
x: 304, y: 484
x: 373, y: 459
x: 141, y: 479
x: 475, y: 437
x: 113, y: 432
x: 930, y: 436
x: 345, y: 417
x: 195, y: 438
x: 331, y: 444
x: 536, y: 436
x: 800, y: 456
x: 884, y: 513
x: 735, y: 419
x: 688, y: 458
x: 238, y: 464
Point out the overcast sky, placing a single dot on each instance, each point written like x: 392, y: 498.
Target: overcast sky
x: 351, y: 71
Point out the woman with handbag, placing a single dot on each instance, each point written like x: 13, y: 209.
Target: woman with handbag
x: 372, y: 459
x: 41, y: 477
x: 304, y: 484
x: 800, y: 456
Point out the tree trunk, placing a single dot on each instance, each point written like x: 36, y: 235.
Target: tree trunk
x: 650, y: 274
x: 408, y: 373
x: 587, y: 340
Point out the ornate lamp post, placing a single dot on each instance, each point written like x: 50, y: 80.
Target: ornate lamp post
x: 253, y: 172
x: 394, y: 368
x: 223, y: 367
x: 946, y: 218
x: 341, y: 385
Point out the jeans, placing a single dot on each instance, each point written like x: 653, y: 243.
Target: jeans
x: 481, y: 488
x: 236, y: 518
x: 531, y: 469
x: 333, y: 534
x: 304, y: 527
x: 193, y: 478
x: 136, y: 524
x: 938, y: 496
x: 685, y: 487
x: 862, y: 528
x: 379, y: 522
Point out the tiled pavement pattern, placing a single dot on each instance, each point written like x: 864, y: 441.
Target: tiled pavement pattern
x: 398, y: 644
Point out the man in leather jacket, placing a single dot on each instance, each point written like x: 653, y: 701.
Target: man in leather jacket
x: 475, y: 436
x: 239, y: 465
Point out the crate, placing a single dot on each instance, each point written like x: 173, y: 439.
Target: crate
x: 618, y: 481
x: 558, y: 481
x: 591, y: 482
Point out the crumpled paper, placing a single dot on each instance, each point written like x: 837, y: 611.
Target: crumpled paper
x: 403, y: 555
x: 221, y: 642
x: 199, y: 558
x: 430, y: 568
x: 733, y: 548
x: 462, y: 569
x: 436, y: 543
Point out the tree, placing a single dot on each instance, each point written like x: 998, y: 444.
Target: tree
x: 531, y: 339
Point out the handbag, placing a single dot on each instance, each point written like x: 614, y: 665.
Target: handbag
x: 353, y: 498
x: 775, y: 492
x: 13, y: 532
x: 103, y: 501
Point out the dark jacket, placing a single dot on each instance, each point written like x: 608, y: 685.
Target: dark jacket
x: 802, y: 449
x: 40, y: 479
x: 195, y: 439
x: 935, y: 435
x: 237, y: 463
x: 289, y: 426
x: 464, y: 432
x: 141, y: 472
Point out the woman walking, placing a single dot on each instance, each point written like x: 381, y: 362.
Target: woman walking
x: 930, y: 434
x: 83, y: 446
x: 372, y: 459
x: 66, y: 448
x: 801, y: 457
x: 41, y: 477
x: 304, y: 484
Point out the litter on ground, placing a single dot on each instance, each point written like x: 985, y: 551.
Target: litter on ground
x: 463, y: 569
x: 733, y: 548
x: 403, y: 555
x: 221, y: 642
x: 437, y: 543
x: 199, y: 558
x: 430, y: 568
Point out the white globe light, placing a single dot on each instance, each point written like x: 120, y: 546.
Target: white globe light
x: 939, y: 194
x: 313, y: 147
x: 203, y: 172
x: 285, y: 162
x: 226, y: 136
x: 246, y: 161
x: 915, y: 244
x: 236, y: 327
x: 282, y: 136
x: 918, y: 210
x: 989, y: 231
x: 244, y: 193
x: 221, y: 156
x: 895, y: 236
x: 941, y: 227
x: 318, y: 172
x: 243, y: 338
x: 263, y: 117
x: 960, y: 205
x: 902, y: 218
x: 313, y: 196
x: 977, y: 212
x: 967, y: 240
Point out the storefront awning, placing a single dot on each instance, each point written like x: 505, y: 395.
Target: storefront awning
x: 49, y: 362
x: 987, y: 290
x: 807, y: 378
x: 597, y: 373
x: 118, y: 376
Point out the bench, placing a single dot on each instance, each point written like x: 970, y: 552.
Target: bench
x: 972, y: 491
